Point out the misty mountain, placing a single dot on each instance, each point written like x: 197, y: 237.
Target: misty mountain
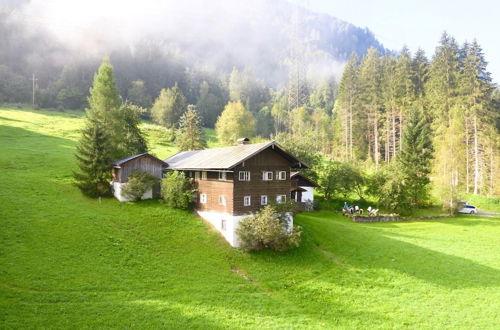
x: 168, y: 42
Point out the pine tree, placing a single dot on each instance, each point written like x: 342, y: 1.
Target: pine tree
x: 233, y: 123
x: 169, y: 106
x: 190, y: 133
x: 93, y: 161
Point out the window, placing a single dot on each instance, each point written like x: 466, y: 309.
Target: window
x: 280, y: 199
x: 267, y: 175
x: 203, y: 175
x: 247, y: 201
x: 223, y: 224
x: 244, y: 175
x: 281, y: 175
x: 203, y: 198
x: 222, y: 176
x: 222, y: 200
x: 263, y: 200
x: 196, y: 175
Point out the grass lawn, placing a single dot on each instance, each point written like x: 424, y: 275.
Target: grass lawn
x: 67, y: 261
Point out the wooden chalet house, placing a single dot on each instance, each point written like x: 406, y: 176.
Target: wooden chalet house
x: 234, y: 182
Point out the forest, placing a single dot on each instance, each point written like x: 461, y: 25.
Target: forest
x: 387, y: 118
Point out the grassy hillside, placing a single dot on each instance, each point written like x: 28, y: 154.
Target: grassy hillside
x: 72, y: 262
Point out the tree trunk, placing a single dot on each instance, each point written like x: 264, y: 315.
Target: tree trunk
x: 476, y: 158
x: 351, y: 156
x: 393, y: 115
x: 467, y: 179
x: 376, y: 142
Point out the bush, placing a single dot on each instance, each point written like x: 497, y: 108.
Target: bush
x: 177, y: 190
x: 138, y: 183
x: 268, y: 229
x: 340, y: 178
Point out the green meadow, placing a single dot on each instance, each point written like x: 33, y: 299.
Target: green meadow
x: 67, y: 261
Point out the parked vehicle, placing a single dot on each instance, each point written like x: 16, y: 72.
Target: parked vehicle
x: 468, y: 209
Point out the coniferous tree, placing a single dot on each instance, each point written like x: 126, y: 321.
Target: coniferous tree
x: 347, y: 104
x: 133, y: 140
x: 476, y: 90
x: 169, y: 106
x: 104, y: 98
x: 190, y: 133
x: 371, y: 98
x: 447, y: 121
x: 93, y: 160
x: 415, y: 158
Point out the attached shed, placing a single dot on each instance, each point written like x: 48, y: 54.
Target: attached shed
x: 142, y: 162
x: 302, y: 188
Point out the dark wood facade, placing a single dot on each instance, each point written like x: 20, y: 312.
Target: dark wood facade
x: 234, y: 190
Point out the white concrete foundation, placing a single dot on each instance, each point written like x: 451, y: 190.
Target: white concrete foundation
x: 231, y: 223
x: 117, y: 192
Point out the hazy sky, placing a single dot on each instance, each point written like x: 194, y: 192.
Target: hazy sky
x: 420, y: 23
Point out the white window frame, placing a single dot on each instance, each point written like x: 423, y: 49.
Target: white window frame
x: 280, y: 175
x: 263, y: 199
x: 196, y: 175
x: 244, y: 175
x: 222, y: 200
x: 223, y: 224
x: 267, y: 175
x: 204, y: 175
x: 222, y: 176
x: 247, y: 200
x: 203, y: 198
x: 280, y: 199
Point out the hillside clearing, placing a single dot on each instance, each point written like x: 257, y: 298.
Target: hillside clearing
x: 68, y: 261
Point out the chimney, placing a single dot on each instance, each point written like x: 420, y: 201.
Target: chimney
x: 243, y: 140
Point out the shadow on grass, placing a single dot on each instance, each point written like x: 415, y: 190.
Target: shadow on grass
x: 366, y: 247
x: 10, y: 119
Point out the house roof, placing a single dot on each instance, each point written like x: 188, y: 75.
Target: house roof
x: 225, y: 158
x: 127, y: 159
x: 304, y: 181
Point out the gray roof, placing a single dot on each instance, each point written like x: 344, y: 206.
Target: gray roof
x: 224, y: 158
x: 127, y: 159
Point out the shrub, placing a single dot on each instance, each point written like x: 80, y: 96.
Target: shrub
x: 268, y: 229
x: 138, y: 183
x: 177, y: 190
x: 340, y: 178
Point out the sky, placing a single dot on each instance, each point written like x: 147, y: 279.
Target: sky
x: 421, y: 23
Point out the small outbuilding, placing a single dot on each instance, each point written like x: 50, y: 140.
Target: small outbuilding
x: 302, y: 190
x: 143, y: 162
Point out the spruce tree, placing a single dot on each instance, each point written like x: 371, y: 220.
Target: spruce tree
x: 347, y: 104
x: 133, y: 140
x: 415, y: 157
x: 93, y: 161
x: 190, y: 133
x: 370, y: 75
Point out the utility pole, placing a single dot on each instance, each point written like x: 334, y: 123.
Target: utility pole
x: 33, y: 79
